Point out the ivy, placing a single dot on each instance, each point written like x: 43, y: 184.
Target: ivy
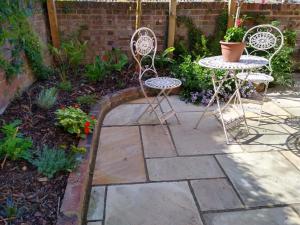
x: 18, y: 38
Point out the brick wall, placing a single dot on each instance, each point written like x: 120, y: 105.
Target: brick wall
x: 108, y: 25
x: 25, y: 79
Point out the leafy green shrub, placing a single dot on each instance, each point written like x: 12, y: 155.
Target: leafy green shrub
x: 47, y: 98
x: 282, y: 63
x: 75, y: 121
x: 164, y: 60
x: 96, y: 71
x: 65, y: 86
x: 234, y: 34
x: 14, y: 145
x: 115, y: 60
x: 51, y: 161
x: 87, y: 99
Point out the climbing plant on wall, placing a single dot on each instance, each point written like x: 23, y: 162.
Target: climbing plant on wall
x: 17, y: 38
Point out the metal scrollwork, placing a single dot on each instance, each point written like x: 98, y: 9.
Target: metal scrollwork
x: 262, y: 40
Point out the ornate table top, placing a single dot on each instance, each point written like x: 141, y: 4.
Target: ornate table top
x: 246, y: 62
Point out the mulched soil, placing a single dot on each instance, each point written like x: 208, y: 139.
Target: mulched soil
x: 37, y: 198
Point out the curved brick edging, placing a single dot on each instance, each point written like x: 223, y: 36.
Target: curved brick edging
x: 78, y: 186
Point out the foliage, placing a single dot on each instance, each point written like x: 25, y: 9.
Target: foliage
x: 9, y: 210
x: 76, y: 150
x: 65, y: 86
x: 17, y: 35
x: 111, y: 61
x: 234, y: 34
x: 86, y: 99
x: 69, y: 56
x: 164, y: 60
x: 197, y: 42
x: 47, y: 98
x: 96, y: 71
x: 282, y: 63
x: 51, y: 161
x: 75, y: 121
x: 14, y: 145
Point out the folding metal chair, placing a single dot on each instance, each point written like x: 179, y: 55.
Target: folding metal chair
x: 266, y: 41
x: 143, y: 46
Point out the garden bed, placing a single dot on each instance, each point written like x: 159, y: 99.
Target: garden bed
x: 37, y: 198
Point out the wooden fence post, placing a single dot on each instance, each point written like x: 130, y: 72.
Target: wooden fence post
x: 53, y: 23
x: 172, y: 23
x: 231, y: 13
x: 138, y: 14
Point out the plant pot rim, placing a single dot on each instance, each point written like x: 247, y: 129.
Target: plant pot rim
x: 231, y: 43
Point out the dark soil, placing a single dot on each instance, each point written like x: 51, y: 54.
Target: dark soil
x: 36, y: 198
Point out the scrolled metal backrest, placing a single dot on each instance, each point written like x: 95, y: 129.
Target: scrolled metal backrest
x: 143, y: 47
x: 264, y: 40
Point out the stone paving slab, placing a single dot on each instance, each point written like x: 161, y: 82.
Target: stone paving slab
x: 269, y: 109
x: 95, y: 223
x: 271, y: 216
x: 286, y: 102
x: 128, y: 114
x: 293, y: 157
x: 151, y: 204
x: 120, y: 157
x: 209, y: 138
x: 157, y: 142
x: 295, y: 111
x: 96, y: 204
x: 263, y: 178
x: 179, y: 168
x: 215, y: 194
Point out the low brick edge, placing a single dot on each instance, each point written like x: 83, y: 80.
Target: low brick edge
x: 72, y: 211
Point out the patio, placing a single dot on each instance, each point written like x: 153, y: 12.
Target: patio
x: 144, y: 176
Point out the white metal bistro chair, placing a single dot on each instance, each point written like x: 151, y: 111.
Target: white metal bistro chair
x: 143, y: 46
x: 266, y: 41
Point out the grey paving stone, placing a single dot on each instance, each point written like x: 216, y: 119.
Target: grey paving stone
x: 157, y: 141
x: 178, y: 168
x: 209, y: 138
x: 95, y: 223
x: 215, y: 194
x: 271, y: 216
x: 151, y: 204
x: 295, y: 111
x: 297, y: 208
x: 263, y: 178
x: 127, y: 114
x: 96, y: 204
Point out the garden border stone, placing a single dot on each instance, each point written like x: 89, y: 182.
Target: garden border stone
x: 74, y: 203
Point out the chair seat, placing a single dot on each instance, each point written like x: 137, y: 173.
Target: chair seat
x: 163, y: 83
x: 255, y: 77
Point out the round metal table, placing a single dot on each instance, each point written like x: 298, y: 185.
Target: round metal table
x: 246, y: 63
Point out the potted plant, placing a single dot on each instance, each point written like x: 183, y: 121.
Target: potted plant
x: 232, y: 47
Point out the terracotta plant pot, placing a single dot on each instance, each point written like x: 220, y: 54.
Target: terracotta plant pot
x: 232, y: 51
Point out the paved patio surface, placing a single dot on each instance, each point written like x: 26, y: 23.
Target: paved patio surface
x: 146, y: 174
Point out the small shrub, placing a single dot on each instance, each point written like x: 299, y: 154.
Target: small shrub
x: 96, y: 71
x: 115, y: 60
x: 75, y: 121
x: 65, y: 86
x: 87, y: 99
x: 47, y: 98
x: 164, y: 60
x: 51, y: 161
x: 78, y: 150
x: 234, y: 34
x: 14, y: 145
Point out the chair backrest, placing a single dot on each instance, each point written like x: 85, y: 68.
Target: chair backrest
x: 143, y: 47
x: 264, y: 40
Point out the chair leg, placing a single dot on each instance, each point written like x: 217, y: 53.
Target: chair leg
x: 169, y: 102
x: 262, y: 101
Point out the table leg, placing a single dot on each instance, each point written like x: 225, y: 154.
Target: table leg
x: 212, y: 98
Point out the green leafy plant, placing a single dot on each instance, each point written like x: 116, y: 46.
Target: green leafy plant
x: 164, y: 60
x: 47, y: 98
x: 17, y: 34
x: 78, y: 150
x: 10, y: 211
x: 115, y: 60
x: 96, y: 71
x: 14, y: 145
x: 234, y: 34
x: 87, y: 99
x: 51, y: 161
x: 65, y: 86
x: 75, y: 121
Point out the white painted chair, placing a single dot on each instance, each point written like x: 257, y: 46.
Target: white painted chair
x: 143, y: 46
x: 266, y: 41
